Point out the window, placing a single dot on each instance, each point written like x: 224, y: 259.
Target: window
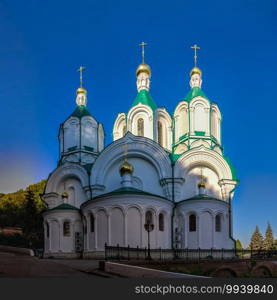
x: 161, y: 222
x: 192, y: 223
x: 140, y: 127
x: 47, y: 230
x: 217, y: 223
x: 91, y: 223
x: 160, y: 133
x: 66, y: 228
x: 149, y: 217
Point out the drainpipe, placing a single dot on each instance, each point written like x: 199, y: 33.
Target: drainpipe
x: 230, y: 217
x: 172, y: 184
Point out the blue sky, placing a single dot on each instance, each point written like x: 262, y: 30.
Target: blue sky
x: 43, y: 43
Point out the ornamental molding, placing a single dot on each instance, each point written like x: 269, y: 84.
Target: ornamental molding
x: 62, y: 173
x: 140, y: 147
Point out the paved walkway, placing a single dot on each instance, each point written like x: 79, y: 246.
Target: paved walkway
x: 15, y: 265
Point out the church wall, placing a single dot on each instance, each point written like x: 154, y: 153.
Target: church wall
x: 58, y: 241
x: 206, y: 230
x: 141, y: 111
x: 189, y: 187
x: 134, y: 227
x: 102, y: 229
x: 145, y: 176
x: 89, y: 133
x: 205, y: 235
x: 125, y: 215
x: 117, y: 226
x: 71, y: 130
x: 74, y: 189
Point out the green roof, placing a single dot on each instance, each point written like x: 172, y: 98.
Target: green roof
x: 195, y: 92
x: 80, y: 111
x: 174, y: 157
x: 145, y: 98
x: 128, y: 190
x: 64, y: 206
x: 202, y: 196
x: 233, y: 170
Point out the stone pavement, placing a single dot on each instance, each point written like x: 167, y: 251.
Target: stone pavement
x: 23, y: 266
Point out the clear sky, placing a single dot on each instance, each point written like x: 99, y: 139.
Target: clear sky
x: 43, y: 43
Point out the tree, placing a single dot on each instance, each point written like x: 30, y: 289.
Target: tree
x: 268, y: 243
x: 238, y: 245
x: 33, y: 228
x: 256, y: 240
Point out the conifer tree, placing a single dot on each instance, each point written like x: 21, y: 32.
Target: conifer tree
x: 268, y: 243
x: 238, y: 245
x: 256, y: 240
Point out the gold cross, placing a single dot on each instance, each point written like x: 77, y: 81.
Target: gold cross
x: 142, y: 44
x: 195, y: 47
x: 81, y: 75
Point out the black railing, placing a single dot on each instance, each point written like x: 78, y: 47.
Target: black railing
x: 129, y: 253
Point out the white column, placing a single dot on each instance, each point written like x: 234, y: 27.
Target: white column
x: 125, y: 229
x: 109, y: 228
x: 95, y: 231
x: 60, y: 235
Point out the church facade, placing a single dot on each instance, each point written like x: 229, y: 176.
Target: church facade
x: 167, y: 171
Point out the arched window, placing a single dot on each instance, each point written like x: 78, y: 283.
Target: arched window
x: 140, y: 127
x: 149, y: 217
x: 192, y: 223
x: 47, y: 230
x: 123, y: 130
x: 160, y: 133
x: 91, y: 223
x: 161, y: 222
x: 217, y: 223
x: 66, y: 228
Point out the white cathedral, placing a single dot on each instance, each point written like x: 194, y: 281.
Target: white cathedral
x: 161, y: 169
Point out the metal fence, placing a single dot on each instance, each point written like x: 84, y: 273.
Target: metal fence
x: 129, y: 253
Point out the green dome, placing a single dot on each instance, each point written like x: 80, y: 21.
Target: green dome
x: 80, y: 111
x: 195, y: 92
x: 145, y: 98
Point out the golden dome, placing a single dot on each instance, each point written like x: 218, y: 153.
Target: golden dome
x: 195, y: 70
x: 143, y: 68
x: 64, y: 195
x: 201, y: 184
x: 126, y: 168
x: 81, y: 90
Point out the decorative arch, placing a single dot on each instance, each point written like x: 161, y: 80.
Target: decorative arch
x: 137, y: 147
x: 205, y: 157
x: 216, y: 123
x: 66, y: 171
x: 164, y: 124
x: 200, y: 115
x: 120, y: 126
x: 181, y: 120
x: 144, y: 112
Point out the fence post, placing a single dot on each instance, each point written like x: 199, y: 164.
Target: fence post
x: 198, y: 254
x: 145, y: 253
x: 105, y: 251
x: 187, y: 253
x: 160, y: 253
x: 118, y: 254
x: 222, y: 253
x: 137, y: 252
x: 128, y: 252
x: 212, y: 252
